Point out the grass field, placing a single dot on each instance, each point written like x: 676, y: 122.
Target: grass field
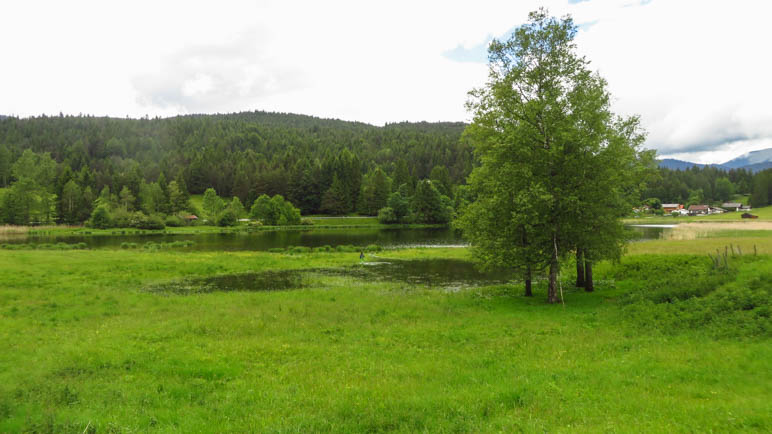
x: 85, y: 347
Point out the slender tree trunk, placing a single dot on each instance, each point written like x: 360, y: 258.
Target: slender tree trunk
x: 588, y: 285
x: 552, y: 290
x: 528, y: 292
x: 579, y: 268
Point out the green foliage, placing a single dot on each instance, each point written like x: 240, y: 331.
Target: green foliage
x: 235, y: 206
x: 212, y: 205
x: 100, y: 218
x: 174, y: 221
x: 127, y: 199
x: 335, y: 199
x: 274, y: 211
x: 142, y: 221
x: 399, y: 201
x: 387, y: 216
x: 429, y: 206
x: 227, y: 218
x: 375, y: 192
x: 558, y: 169
x: 762, y: 189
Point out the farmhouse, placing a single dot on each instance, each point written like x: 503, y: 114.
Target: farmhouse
x: 699, y: 210
x: 670, y: 207
x: 731, y: 206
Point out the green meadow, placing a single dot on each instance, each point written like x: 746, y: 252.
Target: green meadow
x: 668, y: 342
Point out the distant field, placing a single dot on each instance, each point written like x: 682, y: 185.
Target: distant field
x: 764, y: 214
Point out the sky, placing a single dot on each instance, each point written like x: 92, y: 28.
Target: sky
x: 697, y: 72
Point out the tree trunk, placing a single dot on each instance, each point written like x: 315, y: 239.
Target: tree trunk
x: 588, y: 285
x: 528, y: 292
x: 579, y: 268
x: 552, y: 290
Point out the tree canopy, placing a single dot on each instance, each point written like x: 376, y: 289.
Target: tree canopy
x: 557, y: 167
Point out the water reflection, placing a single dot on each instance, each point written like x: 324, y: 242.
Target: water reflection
x: 265, y: 240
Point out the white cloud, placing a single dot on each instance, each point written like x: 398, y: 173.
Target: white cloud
x: 696, y: 71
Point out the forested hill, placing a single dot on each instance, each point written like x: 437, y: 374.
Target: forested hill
x: 242, y: 154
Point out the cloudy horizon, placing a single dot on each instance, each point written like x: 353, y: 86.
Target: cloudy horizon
x: 692, y: 70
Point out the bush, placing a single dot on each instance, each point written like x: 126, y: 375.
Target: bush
x: 100, y: 218
x: 276, y: 250
x: 174, y: 221
x: 300, y: 249
x: 121, y: 219
x: 227, y: 218
x: 141, y: 221
x: 373, y: 248
x: 386, y: 215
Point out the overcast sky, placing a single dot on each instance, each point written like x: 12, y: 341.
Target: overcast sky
x: 697, y: 72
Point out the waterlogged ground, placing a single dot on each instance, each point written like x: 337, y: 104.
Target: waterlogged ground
x: 439, y: 273
x: 105, y: 341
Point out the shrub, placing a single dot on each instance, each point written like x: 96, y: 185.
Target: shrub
x: 300, y: 249
x: 141, y: 221
x: 276, y: 250
x: 121, y: 219
x: 227, y: 218
x: 373, y: 248
x: 100, y: 218
x: 174, y: 221
x: 386, y: 215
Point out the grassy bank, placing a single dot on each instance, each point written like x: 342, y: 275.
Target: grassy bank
x: 84, y: 345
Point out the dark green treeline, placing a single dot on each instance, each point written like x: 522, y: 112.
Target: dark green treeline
x: 320, y: 165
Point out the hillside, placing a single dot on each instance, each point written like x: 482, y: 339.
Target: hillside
x: 242, y: 154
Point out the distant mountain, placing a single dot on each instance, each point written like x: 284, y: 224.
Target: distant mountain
x: 751, y: 158
x: 673, y: 164
x: 754, y: 161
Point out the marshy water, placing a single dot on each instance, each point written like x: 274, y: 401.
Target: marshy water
x: 445, y: 274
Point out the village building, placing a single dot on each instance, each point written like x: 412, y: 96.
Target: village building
x: 668, y: 208
x: 731, y: 206
x: 699, y: 210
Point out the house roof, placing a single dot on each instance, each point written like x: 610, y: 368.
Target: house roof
x: 698, y: 207
x: 731, y: 205
x: 671, y: 205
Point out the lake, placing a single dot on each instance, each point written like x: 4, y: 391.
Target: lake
x: 265, y: 240
x: 312, y: 237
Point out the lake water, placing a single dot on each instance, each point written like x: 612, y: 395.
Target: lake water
x: 265, y: 240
